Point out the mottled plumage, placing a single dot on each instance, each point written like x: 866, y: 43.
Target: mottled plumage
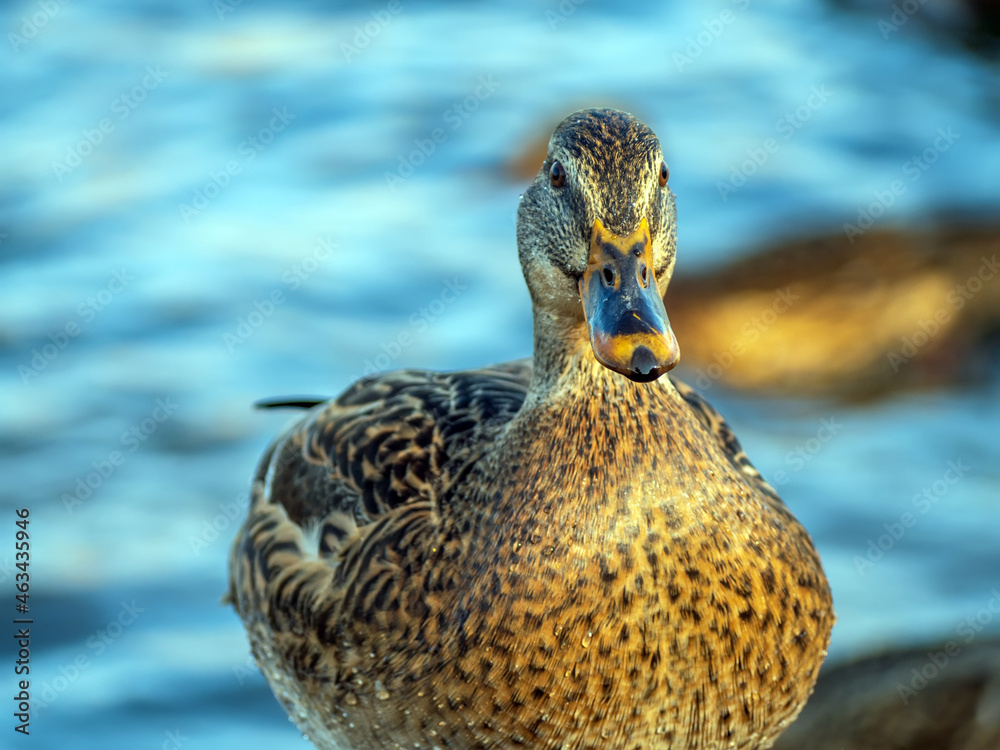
x: 534, y: 555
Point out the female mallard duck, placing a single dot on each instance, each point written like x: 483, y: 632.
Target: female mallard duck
x: 569, y: 553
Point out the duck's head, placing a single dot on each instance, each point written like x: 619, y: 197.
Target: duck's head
x: 596, y: 236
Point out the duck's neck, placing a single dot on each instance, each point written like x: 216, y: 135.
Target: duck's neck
x: 563, y: 363
x: 585, y: 420
x: 565, y: 368
x: 594, y: 453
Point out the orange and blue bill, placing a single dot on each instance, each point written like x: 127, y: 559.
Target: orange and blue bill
x: 629, y: 329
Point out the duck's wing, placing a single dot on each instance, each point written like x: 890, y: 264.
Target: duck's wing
x: 388, y: 440
x: 370, y: 464
x: 725, y: 435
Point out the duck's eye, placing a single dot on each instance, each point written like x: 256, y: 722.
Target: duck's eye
x: 557, y: 175
x: 664, y: 173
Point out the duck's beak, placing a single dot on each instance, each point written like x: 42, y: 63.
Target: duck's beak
x: 629, y: 329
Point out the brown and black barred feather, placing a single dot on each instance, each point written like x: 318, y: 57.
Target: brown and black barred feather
x: 362, y: 467
x: 389, y: 440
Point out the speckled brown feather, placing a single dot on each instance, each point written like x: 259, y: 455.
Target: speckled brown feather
x: 549, y: 556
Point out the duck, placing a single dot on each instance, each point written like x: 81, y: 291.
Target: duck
x: 569, y: 551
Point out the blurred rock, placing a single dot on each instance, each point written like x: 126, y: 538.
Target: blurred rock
x: 923, y: 699
x: 825, y: 317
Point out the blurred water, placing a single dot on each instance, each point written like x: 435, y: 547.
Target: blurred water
x: 135, y: 331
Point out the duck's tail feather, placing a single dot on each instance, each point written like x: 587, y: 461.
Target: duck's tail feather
x: 290, y: 402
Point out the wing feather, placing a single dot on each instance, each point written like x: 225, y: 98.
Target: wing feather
x: 387, y: 441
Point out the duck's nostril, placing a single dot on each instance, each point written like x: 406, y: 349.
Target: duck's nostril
x: 609, y: 276
x: 643, y: 275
